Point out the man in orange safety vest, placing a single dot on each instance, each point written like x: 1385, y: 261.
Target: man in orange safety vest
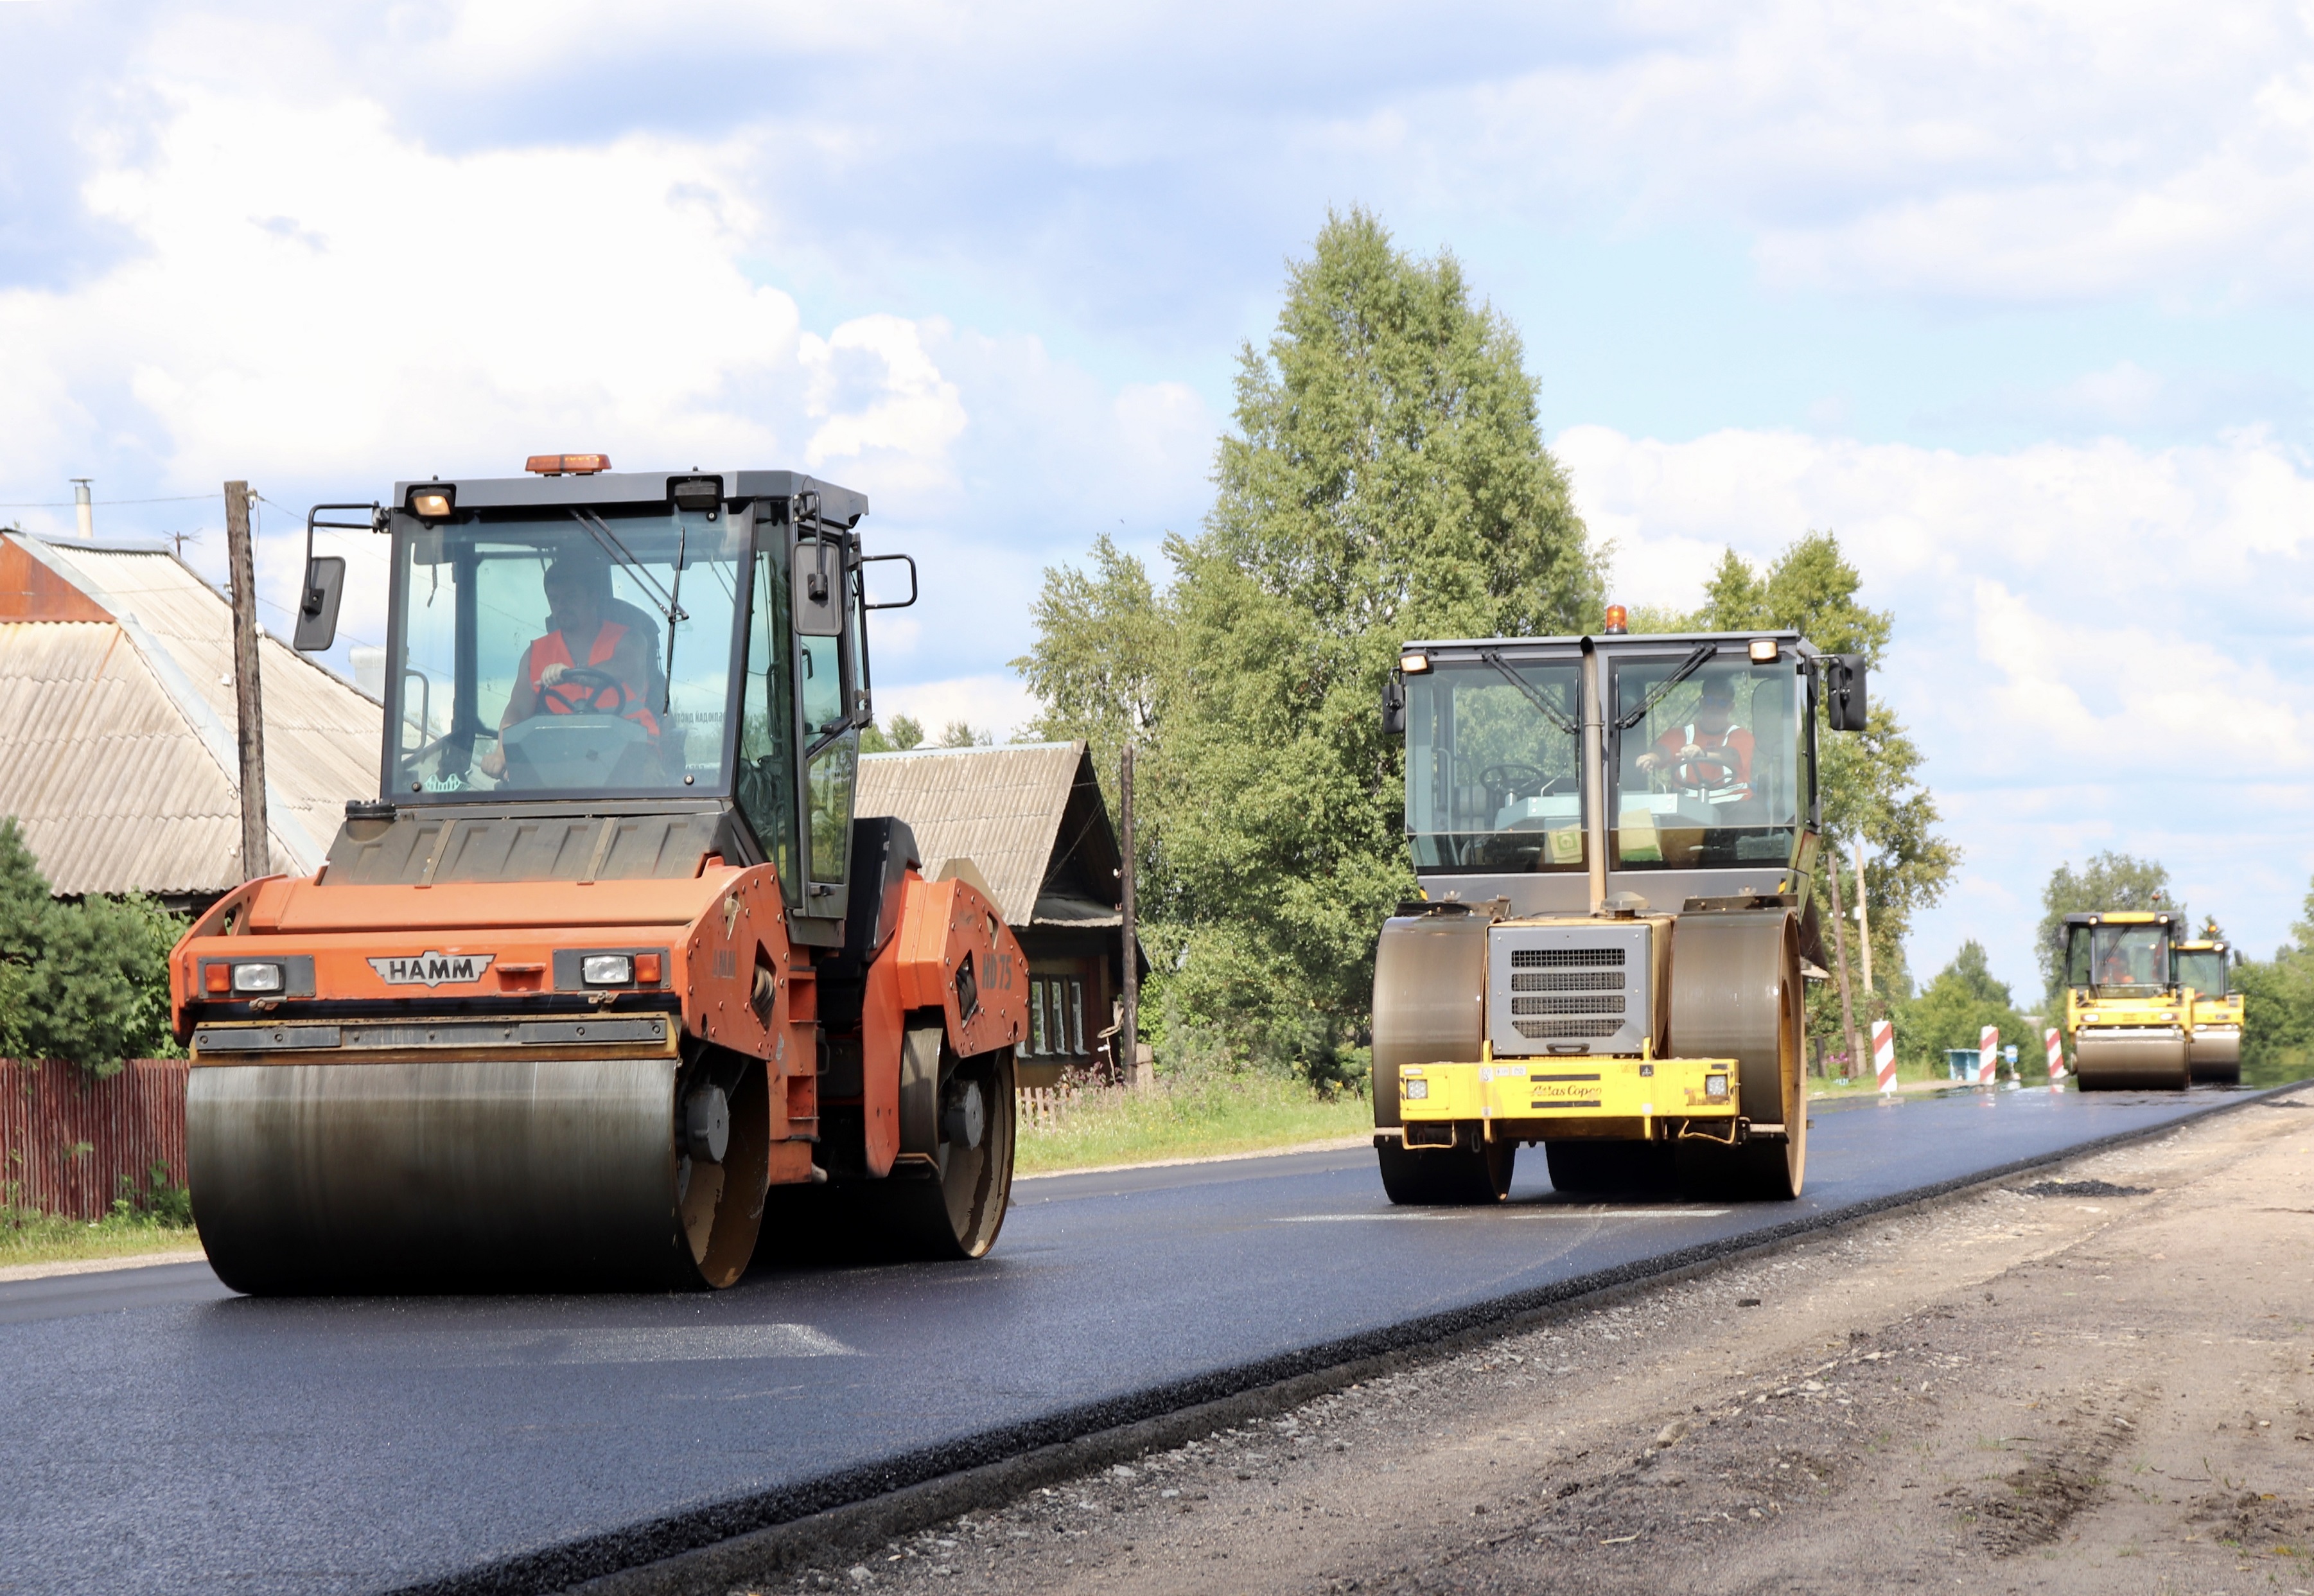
x: 551, y: 679
x: 1711, y: 755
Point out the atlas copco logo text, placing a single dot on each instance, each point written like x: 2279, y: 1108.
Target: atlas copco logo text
x: 432, y: 969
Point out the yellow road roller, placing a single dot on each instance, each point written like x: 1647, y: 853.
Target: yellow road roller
x: 2203, y: 973
x: 1614, y: 837
x: 2124, y: 1011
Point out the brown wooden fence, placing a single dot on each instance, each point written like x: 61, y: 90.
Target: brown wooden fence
x: 67, y: 1142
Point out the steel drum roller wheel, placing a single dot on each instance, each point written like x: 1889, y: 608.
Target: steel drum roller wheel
x: 2129, y: 1064
x: 955, y: 1212
x: 466, y: 1174
x: 1461, y: 1175
x: 944, y: 1199
x: 1736, y: 992
x: 2217, y: 1060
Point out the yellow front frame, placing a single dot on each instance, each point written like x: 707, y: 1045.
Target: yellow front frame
x: 1577, y: 1095
x: 2083, y: 1012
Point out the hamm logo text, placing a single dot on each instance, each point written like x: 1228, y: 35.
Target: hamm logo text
x: 432, y: 969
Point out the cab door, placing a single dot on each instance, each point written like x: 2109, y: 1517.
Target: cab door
x: 827, y: 683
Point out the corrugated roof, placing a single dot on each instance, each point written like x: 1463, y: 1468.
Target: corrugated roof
x: 118, y: 741
x: 999, y: 808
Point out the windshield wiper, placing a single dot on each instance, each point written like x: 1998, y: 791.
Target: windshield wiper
x: 662, y: 600
x: 1550, y: 711
x: 1703, y: 651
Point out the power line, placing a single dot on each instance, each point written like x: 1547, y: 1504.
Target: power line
x: 66, y: 503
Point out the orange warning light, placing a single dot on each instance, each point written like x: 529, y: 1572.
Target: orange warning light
x: 574, y: 465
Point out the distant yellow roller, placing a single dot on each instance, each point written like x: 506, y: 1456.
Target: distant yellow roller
x: 2128, y: 1020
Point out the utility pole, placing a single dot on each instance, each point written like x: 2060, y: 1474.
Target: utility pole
x: 1856, y: 1059
x: 1863, y: 919
x: 1129, y: 1038
x: 256, y: 856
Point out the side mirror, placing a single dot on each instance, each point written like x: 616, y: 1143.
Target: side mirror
x: 317, y: 613
x: 1393, y: 707
x: 819, y: 588
x: 1844, y: 692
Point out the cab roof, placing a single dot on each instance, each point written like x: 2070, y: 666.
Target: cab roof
x: 1618, y: 640
x: 2124, y: 917
x: 842, y: 505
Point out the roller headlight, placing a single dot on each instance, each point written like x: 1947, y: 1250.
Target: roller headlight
x: 257, y: 978
x: 607, y: 969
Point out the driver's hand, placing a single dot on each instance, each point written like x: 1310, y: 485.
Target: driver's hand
x: 1650, y: 761
x: 551, y: 674
x: 1691, y: 751
x: 493, y: 764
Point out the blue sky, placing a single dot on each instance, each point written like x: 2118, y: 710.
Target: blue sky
x: 2015, y: 298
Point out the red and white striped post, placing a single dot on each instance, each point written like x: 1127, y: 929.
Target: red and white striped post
x: 2056, y: 1044
x: 1884, y: 1053
x: 1988, y: 1054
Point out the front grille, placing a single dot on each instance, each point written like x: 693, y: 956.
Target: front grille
x: 1536, y: 958
x: 1570, y: 981
x: 1567, y: 987
x: 1567, y: 1030
x: 1567, y: 1005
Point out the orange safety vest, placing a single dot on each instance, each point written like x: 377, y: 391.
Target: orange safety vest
x: 1721, y: 769
x: 574, y: 698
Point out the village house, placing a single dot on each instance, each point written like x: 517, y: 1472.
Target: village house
x: 1032, y: 820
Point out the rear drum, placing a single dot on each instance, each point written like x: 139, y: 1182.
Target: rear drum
x: 2216, y: 1059
x: 1469, y: 1173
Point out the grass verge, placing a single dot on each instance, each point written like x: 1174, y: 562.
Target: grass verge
x: 29, y: 1237
x: 1210, y: 1116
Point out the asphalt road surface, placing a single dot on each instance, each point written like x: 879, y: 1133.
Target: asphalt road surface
x: 159, y: 1433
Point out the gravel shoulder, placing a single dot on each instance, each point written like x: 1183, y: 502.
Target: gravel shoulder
x: 2093, y: 1379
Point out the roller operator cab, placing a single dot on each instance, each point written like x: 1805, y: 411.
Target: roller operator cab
x: 1614, y: 837
x: 2202, y: 974
x: 2128, y: 1019
x: 609, y: 983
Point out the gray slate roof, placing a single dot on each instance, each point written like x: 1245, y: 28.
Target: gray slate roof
x: 1005, y: 809
x: 118, y: 752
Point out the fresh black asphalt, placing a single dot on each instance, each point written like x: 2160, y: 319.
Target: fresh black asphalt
x: 159, y: 1433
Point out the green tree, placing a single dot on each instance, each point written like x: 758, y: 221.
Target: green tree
x: 85, y: 981
x: 2278, y: 1006
x: 960, y: 734
x: 1386, y: 480
x: 906, y: 734
x: 2108, y: 881
x: 1100, y: 667
x: 1955, y: 1008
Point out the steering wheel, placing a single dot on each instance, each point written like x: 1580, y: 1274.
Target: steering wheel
x: 600, y: 681
x: 1704, y: 785
x: 1509, y: 778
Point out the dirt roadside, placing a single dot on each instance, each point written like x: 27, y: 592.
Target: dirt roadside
x: 2093, y: 1379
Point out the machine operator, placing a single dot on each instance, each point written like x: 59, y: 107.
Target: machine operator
x: 1710, y: 755
x: 587, y: 664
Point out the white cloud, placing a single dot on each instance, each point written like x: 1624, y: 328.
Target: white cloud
x: 2097, y: 647
x: 878, y: 401
x: 995, y: 703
